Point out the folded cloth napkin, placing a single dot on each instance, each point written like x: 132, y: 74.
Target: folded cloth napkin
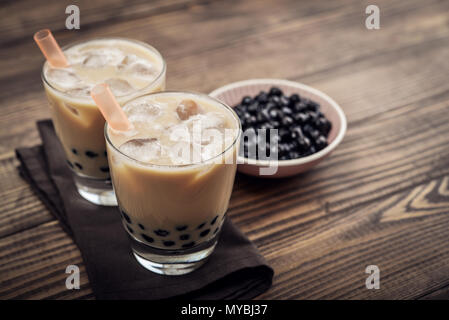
x: 235, y: 269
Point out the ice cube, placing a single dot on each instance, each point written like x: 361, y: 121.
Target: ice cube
x: 210, y: 151
x: 213, y: 120
x: 127, y: 61
x: 64, y: 78
x: 82, y: 91
x: 186, y: 109
x: 142, y: 112
x: 179, y: 132
x: 203, y: 122
x: 119, y: 86
x: 95, y: 60
x: 212, y: 136
x: 71, y: 108
x: 184, y: 152
x: 143, y: 150
x: 74, y: 57
x: 142, y: 69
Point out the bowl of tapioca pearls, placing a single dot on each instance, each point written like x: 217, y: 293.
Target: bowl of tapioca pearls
x: 303, y: 125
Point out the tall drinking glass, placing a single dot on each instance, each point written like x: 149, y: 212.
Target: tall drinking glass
x: 173, y: 175
x: 130, y: 68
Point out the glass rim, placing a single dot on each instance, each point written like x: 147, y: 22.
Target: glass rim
x: 146, y: 164
x: 89, y: 98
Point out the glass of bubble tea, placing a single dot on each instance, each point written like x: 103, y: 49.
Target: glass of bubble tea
x: 131, y: 68
x: 173, y: 175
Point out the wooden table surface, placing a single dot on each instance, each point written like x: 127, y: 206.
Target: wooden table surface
x: 382, y: 198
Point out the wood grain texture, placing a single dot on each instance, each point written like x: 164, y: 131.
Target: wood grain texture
x: 382, y: 197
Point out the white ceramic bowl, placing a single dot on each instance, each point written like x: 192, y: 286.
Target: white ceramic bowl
x: 233, y: 93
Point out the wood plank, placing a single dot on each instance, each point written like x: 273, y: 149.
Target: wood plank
x: 188, y: 70
x: 15, y: 28
x: 410, y: 251
x: 21, y: 208
x: 440, y: 294
x: 381, y: 198
x: 34, y: 261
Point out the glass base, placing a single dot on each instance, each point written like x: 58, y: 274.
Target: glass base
x: 97, y: 191
x: 172, y: 262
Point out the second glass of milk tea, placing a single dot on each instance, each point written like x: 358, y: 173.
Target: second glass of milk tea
x: 173, y: 174
x: 130, y: 68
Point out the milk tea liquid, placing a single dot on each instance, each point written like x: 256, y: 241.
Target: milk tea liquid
x: 130, y: 68
x: 173, y: 173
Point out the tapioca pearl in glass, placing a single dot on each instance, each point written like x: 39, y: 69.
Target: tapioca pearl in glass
x: 182, y: 228
x: 184, y: 237
x: 169, y: 243
x: 161, y: 232
x: 188, y: 245
x: 126, y: 216
x: 204, y: 233
x: 147, y: 238
x: 201, y: 225
x: 91, y: 154
x: 214, y: 220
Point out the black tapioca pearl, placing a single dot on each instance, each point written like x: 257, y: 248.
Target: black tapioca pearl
x: 161, y: 233
x: 312, y: 106
x: 287, y: 121
x: 141, y: 226
x: 79, y: 166
x: 70, y: 164
x: 216, y: 230
x: 181, y: 228
x: 188, y: 245
x: 294, y: 98
x: 214, y: 220
x: 169, y: 243
x: 320, y: 143
x: 104, y: 169
x: 201, y: 225
x: 130, y: 229
x: 184, y: 237
x: 105, y: 153
x: 91, y: 154
x: 246, y: 100
x: 147, y: 238
x: 126, y: 217
x: 204, y: 233
x: 275, y: 91
x: 74, y: 151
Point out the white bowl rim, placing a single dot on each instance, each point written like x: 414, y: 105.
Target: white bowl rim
x: 299, y: 161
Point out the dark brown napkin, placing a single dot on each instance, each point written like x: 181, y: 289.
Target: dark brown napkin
x: 235, y: 269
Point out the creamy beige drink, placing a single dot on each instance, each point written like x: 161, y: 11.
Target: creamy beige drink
x: 173, y: 172
x: 130, y: 68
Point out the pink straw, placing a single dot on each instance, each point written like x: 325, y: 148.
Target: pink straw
x: 50, y: 48
x: 109, y: 107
